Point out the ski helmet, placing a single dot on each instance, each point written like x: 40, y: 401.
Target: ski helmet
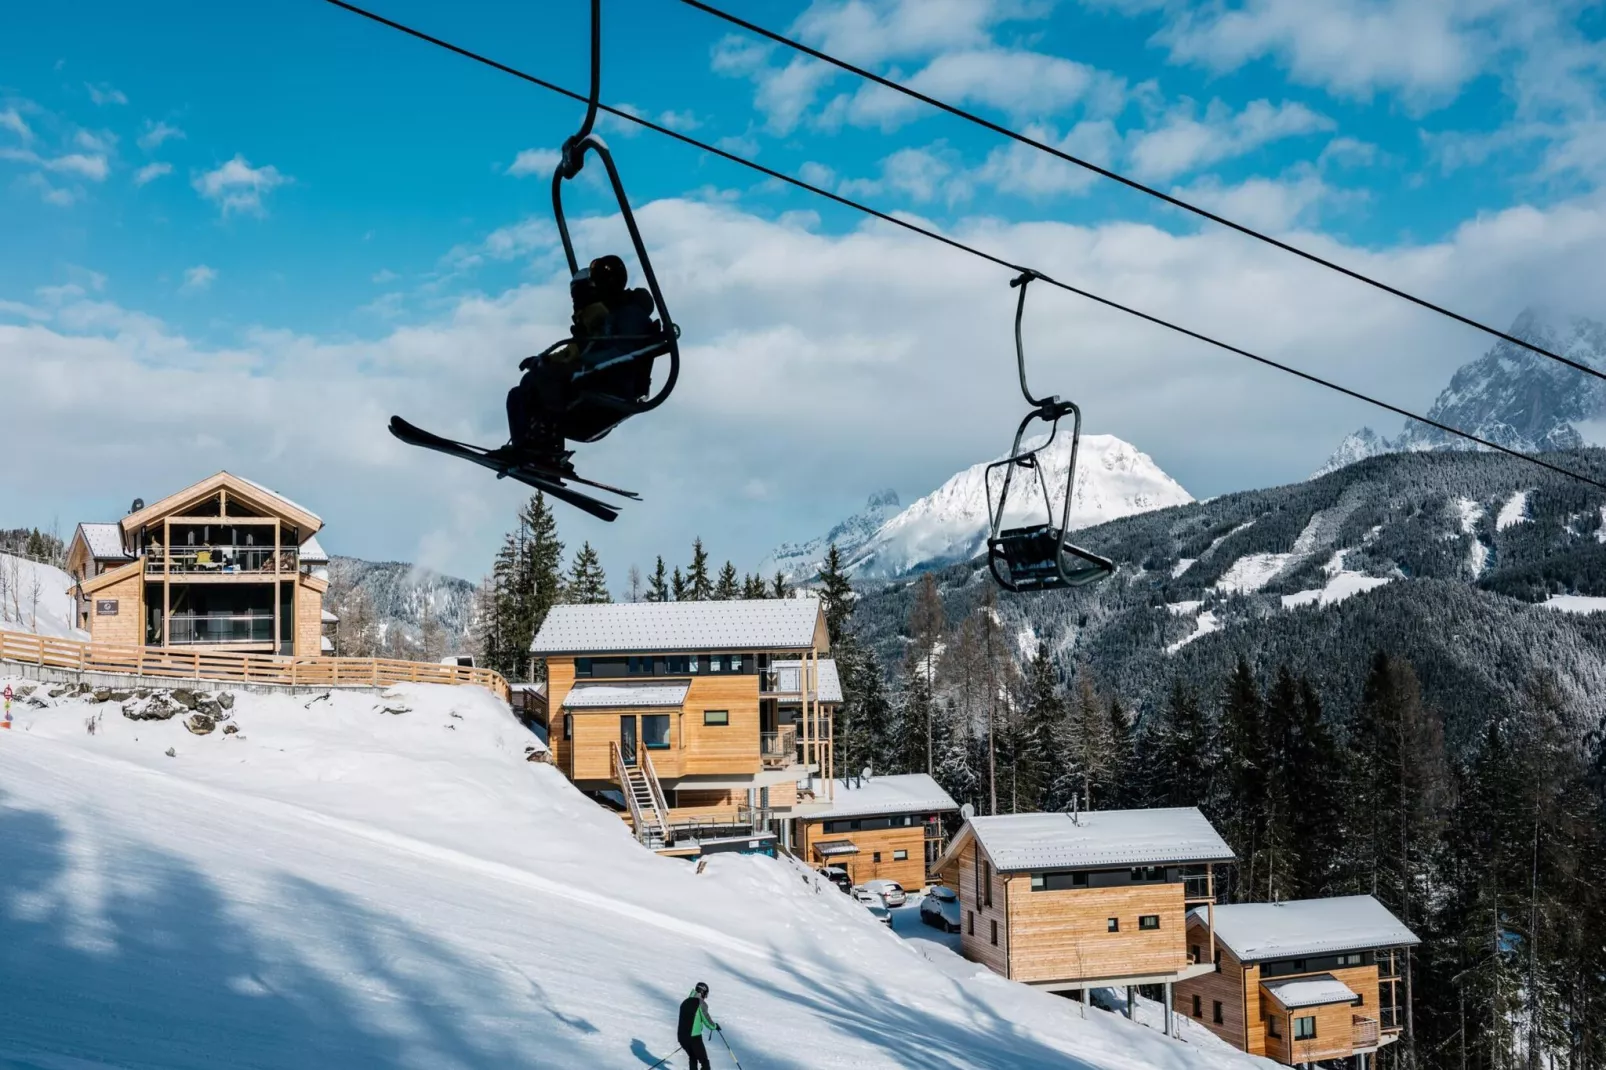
x: 701, y: 989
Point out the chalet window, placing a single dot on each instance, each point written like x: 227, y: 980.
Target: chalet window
x: 582, y: 666
x: 1198, y: 1011
x: 1355, y: 959
x: 1145, y: 874
x: 568, y: 727
x: 692, y: 663
x: 995, y: 932
x: 1053, y: 882
x: 716, y: 717
x: 970, y: 916
x: 1274, y: 1027
x: 1039, y: 882
x: 900, y: 856
x: 1215, y: 1011
x: 1193, y: 953
x: 713, y: 662
x: 675, y: 664
x: 655, y: 730
x: 1360, y: 1001
x: 1305, y: 1028
x: 1148, y: 921
x: 987, y: 885
x: 1112, y: 925
x: 736, y: 663
x: 875, y: 856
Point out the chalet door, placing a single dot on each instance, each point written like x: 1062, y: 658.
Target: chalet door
x: 627, y: 739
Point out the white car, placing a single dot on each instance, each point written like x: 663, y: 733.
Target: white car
x: 864, y: 895
x: 940, y: 907
x: 891, y: 892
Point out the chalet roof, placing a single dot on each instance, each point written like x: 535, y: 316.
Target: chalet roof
x: 105, y: 542
x: 326, y: 645
x: 331, y: 617
x: 836, y: 848
x: 621, y: 696
x: 264, y: 495
x: 642, y: 627
x: 829, y: 688
x: 1255, y: 932
x: 312, y: 552
x: 903, y: 793
x: 1316, y: 991
x: 1020, y: 842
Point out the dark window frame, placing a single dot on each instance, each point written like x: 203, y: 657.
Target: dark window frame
x: 900, y: 856
x: 995, y: 932
x: 582, y: 666
x: 1198, y: 1005
x: 568, y: 728
x: 726, y: 714
x: 646, y: 735
x: 1216, y: 1013
x: 1112, y: 925
x: 987, y: 884
x: 1300, y: 1023
x: 1148, y: 923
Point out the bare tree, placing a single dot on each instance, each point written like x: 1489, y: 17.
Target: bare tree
x: 633, y: 582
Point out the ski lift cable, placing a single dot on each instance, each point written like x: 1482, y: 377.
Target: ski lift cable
x: 955, y: 243
x: 1132, y: 183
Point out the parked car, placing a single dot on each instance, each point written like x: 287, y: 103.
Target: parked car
x: 881, y: 914
x: 839, y: 877
x: 891, y: 892
x: 940, y: 907
x: 865, y: 896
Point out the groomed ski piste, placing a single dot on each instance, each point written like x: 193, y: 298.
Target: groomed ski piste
x: 361, y: 880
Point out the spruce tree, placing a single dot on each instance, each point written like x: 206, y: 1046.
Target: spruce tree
x: 699, y: 588
x: 1243, y: 780
x: 1089, y: 744
x: 1315, y: 782
x: 728, y: 587
x: 1118, y: 782
x: 588, y: 583
x: 1042, y: 721
x: 1279, y: 862
x: 1177, y: 759
x: 657, y: 585
x: 956, y: 768
x: 753, y: 587
x: 926, y: 624
x: 916, y: 711
x: 678, y: 587
x: 779, y: 588
x: 836, y: 595
x: 540, y: 580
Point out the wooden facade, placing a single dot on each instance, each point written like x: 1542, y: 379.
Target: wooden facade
x: 214, y: 567
x: 894, y: 854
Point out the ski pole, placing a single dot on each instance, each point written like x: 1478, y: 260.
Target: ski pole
x: 728, y: 1048
x: 664, y: 1060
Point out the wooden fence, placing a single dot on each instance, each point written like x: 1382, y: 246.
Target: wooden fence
x: 212, y: 665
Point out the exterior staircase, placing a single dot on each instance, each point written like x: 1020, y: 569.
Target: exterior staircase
x: 649, y: 812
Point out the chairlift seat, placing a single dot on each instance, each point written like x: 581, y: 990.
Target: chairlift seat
x: 1039, y: 558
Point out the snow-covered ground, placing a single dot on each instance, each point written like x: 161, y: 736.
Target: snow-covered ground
x: 1515, y: 511
x: 34, y: 598
x: 1251, y: 572
x: 363, y: 881
x: 1203, y: 625
x: 1576, y: 603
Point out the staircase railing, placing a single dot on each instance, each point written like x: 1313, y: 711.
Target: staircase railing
x: 660, y: 806
x: 621, y: 773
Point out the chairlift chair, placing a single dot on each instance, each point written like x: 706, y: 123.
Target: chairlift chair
x: 1038, y: 557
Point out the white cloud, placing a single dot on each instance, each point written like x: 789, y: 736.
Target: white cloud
x: 534, y: 162
x: 384, y: 275
x: 905, y: 378
x: 84, y: 165
x: 11, y: 120
x: 105, y: 94
x: 198, y: 278
x: 868, y: 31
x: 1273, y: 204
x: 156, y: 133
x: 236, y: 186
x: 152, y: 171
x: 96, y: 141
x: 928, y: 174
x: 685, y: 120
x: 1029, y: 172
x: 817, y: 174
x: 1184, y: 142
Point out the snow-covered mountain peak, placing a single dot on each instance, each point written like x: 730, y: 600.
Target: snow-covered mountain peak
x: 801, y: 561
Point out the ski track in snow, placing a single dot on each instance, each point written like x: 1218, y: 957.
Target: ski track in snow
x: 1251, y: 572
x: 1185, y: 563
x: 1340, y: 586
x: 1515, y: 511
x: 338, y: 886
x: 1203, y: 625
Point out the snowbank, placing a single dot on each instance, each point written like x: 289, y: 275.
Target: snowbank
x: 386, y: 881
x: 34, y: 598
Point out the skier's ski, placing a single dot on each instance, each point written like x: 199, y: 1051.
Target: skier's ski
x: 544, y: 481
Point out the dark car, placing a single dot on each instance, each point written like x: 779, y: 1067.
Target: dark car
x: 940, y: 907
x: 839, y: 877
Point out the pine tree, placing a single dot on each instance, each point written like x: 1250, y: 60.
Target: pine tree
x: 753, y: 587
x: 1281, y: 861
x: 1177, y: 760
x: 1042, y: 721
x: 1087, y: 736
x: 836, y: 594
x: 1243, y: 765
x: 1118, y: 783
x: 1314, y: 780
x: 956, y: 768
x: 779, y: 588
x: 657, y: 586
x: 678, y: 588
x: 728, y: 587
x: 541, y: 581
x: 916, y: 711
x: 926, y: 624
x: 699, y: 588
x: 588, y: 583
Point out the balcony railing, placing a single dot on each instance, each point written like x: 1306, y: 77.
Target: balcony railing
x: 185, y: 629
x: 219, y: 560
x: 779, y: 749
x: 1366, y: 1031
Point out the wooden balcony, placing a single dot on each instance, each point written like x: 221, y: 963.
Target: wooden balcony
x: 779, y: 749
x: 213, y: 562
x: 1367, y: 1033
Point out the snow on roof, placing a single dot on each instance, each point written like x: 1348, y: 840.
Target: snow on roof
x: 1315, y: 991
x: 833, y: 848
x: 312, y: 551
x: 1096, y: 838
x: 903, y: 793
x: 105, y: 542
x: 330, y: 617
x: 829, y: 688
x: 619, y: 696
x: 281, y: 497
x: 637, y: 627
x: 326, y: 645
x: 1258, y: 931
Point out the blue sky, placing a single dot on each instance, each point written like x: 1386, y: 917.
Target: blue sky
x: 264, y: 230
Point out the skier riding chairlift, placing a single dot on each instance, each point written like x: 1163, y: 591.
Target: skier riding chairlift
x: 582, y: 387
x: 1038, y: 557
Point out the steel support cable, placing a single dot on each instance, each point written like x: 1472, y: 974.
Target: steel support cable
x: 962, y: 246
x: 1131, y: 183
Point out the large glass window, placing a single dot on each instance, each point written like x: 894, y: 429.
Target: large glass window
x: 1305, y: 1028
x: 655, y: 731
x: 582, y: 666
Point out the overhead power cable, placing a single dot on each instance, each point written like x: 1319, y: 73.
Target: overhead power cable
x: 962, y: 246
x: 1115, y: 176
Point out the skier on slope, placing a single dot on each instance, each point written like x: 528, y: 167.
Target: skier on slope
x: 695, y: 1024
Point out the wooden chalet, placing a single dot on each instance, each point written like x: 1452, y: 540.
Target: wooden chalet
x: 1302, y: 982
x: 225, y: 564
x: 879, y: 828
x: 1069, y: 902
x: 678, y: 714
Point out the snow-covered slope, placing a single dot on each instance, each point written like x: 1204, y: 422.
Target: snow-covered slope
x: 34, y: 598
x: 1510, y: 396
x: 801, y: 561
x: 1113, y: 479
x: 361, y: 881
